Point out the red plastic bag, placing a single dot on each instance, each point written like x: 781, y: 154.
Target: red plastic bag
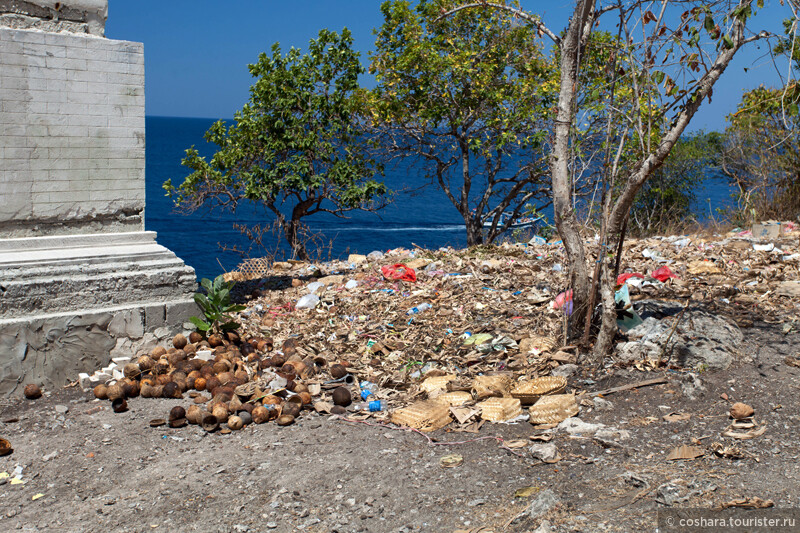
x: 399, y: 272
x: 622, y: 278
x: 663, y: 273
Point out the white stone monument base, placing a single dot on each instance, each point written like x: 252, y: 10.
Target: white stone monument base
x: 69, y: 304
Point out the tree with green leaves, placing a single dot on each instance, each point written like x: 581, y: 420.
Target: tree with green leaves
x: 665, y: 200
x: 461, y: 98
x: 671, y: 54
x: 297, y: 148
x: 761, y: 155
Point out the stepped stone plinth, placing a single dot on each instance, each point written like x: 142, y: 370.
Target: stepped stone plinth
x: 80, y: 279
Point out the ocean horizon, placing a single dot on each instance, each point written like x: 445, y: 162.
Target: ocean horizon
x: 426, y: 218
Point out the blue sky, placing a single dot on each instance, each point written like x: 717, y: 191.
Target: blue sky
x: 196, y: 53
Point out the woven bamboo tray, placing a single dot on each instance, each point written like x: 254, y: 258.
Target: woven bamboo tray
x: 529, y: 391
x: 500, y: 409
x: 424, y: 416
x: 553, y: 409
x: 485, y: 386
x: 453, y: 399
x: 437, y: 383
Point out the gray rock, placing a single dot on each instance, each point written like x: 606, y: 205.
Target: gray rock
x: 565, y: 370
x: 544, y: 502
x: 576, y: 426
x: 546, y: 452
x: 601, y: 404
x: 62, y: 409
x: 701, y: 340
x: 544, y: 527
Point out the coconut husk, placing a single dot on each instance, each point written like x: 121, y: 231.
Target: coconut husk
x: 529, y: 391
x: 553, y: 409
x: 424, y: 416
x: 500, y: 409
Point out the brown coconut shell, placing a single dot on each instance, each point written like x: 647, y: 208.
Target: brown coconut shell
x: 285, y: 420
x: 235, y: 423
x: 145, y: 363
x: 342, y: 396
x: 194, y: 414
x: 260, y: 414
x: 200, y: 383
x: 171, y: 390
x: 179, y: 341
x: 338, y: 371
x: 115, y: 392
x: 195, y: 337
x: 157, y: 352
x: 209, y: 422
x: 215, y: 341
x: 177, y: 412
x: 132, y: 371
x: 101, y: 392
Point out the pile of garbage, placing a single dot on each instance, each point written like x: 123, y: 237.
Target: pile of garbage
x: 423, y: 338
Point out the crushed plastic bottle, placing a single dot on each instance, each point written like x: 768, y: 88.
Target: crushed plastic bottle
x: 419, y: 309
x: 309, y: 301
x: 314, y: 287
x: 373, y: 406
x: 368, y: 389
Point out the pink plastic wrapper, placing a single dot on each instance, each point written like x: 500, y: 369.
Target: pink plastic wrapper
x: 564, y: 300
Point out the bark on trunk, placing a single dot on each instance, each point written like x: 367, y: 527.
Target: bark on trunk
x: 293, y: 236
x: 565, y: 217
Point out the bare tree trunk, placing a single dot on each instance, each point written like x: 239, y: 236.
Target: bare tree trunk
x: 292, y: 230
x: 565, y: 217
x: 620, y: 211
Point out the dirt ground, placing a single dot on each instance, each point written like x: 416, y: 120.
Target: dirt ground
x: 89, y: 469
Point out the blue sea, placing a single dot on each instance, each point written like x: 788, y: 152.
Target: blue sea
x: 425, y: 218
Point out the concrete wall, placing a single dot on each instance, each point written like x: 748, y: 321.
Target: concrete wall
x: 78, y: 16
x: 72, y: 134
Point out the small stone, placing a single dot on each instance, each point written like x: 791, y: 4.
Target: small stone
x: 740, y: 411
x: 543, y: 502
x: 576, y: 426
x: 62, y: 409
x: 565, y: 371
x: 601, y: 404
x: 477, y: 502
x: 271, y: 525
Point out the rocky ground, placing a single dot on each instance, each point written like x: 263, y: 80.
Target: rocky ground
x: 78, y: 466
x: 100, y: 471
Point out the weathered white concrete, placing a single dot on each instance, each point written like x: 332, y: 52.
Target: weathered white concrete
x: 80, y: 280
x: 72, y: 134
x: 77, y: 16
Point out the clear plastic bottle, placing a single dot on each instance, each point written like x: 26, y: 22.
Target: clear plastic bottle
x: 368, y: 389
x: 372, y: 406
x: 419, y: 309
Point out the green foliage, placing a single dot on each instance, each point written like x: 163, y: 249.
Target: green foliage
x: 664, y: 202
x: 297, y: 147
x: 216, y: 306
x: 462, y: 95
x: 761, y: 154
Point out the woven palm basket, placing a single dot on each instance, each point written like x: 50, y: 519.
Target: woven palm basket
x: 553, y: 409
x: 538, y: 344
x: 424, y: 416
x: 531, y: 390
x: 500, y: 409
x: 485, y: 386
x: 453, y: 399
x: 437, y: 383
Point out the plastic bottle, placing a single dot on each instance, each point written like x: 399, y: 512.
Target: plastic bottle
x: 368, y: 389
x: 419, y: 309
x: 373, y: 406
